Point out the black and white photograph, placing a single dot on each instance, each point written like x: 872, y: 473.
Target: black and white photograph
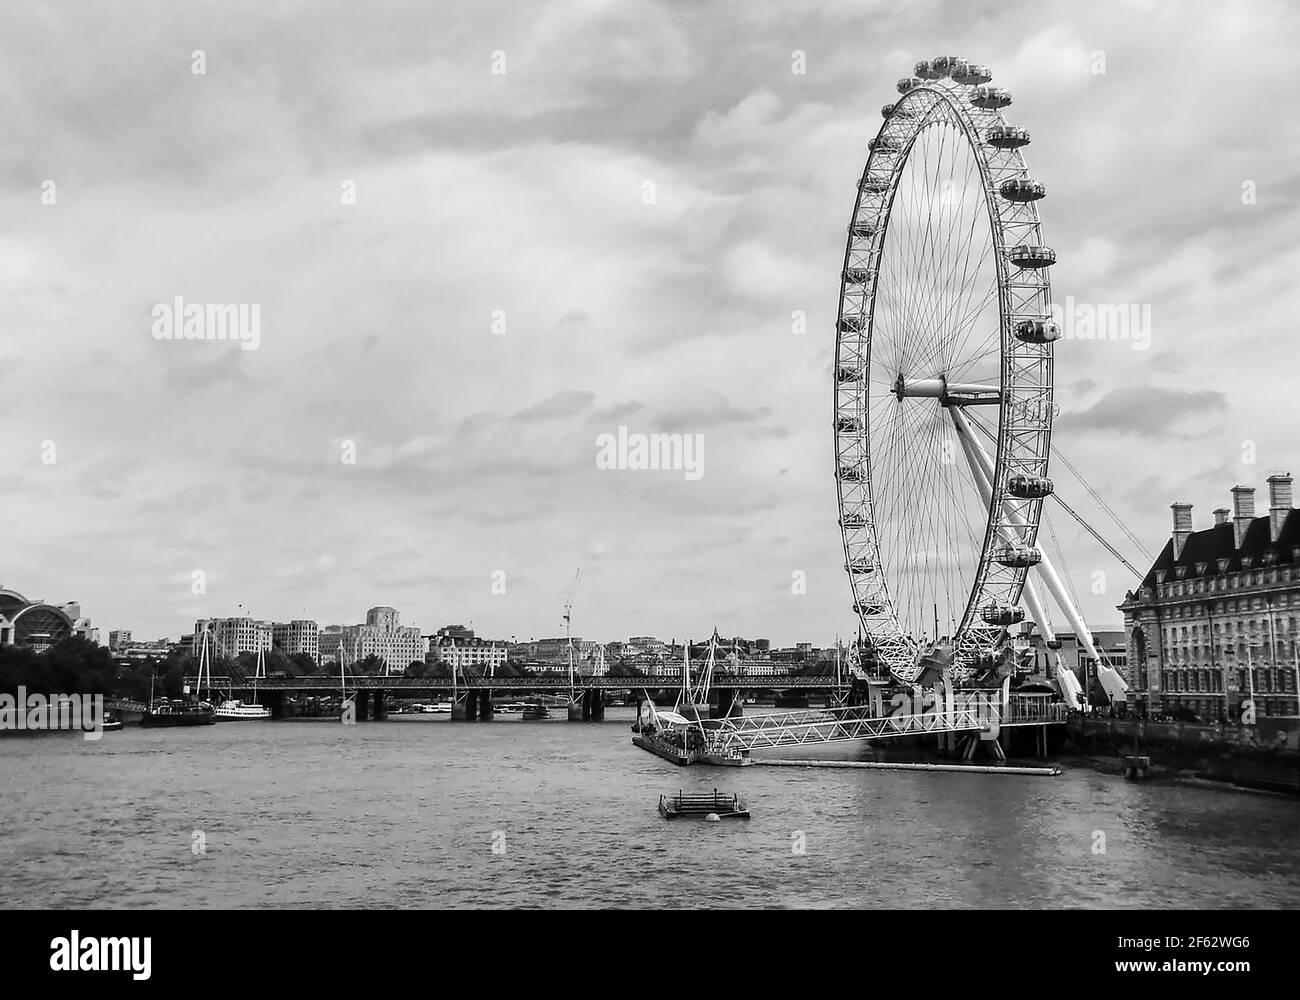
x: 648, y: 456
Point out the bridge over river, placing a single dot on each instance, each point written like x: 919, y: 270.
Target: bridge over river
x: 982, y: 712
x: 371, y: 692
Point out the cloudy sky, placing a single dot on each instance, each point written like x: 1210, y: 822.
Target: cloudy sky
x: 520, y: 197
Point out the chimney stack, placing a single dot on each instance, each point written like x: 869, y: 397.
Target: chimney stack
x: 1279, y: 503
x: 1221, y: 515
x: 1243, y: 512
x: 1182, y: 526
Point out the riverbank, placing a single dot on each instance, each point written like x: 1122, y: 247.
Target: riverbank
x: 1257, y: 758
x: 1158, y: 774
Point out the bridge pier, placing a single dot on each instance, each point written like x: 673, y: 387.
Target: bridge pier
x: 730, y: 705
x: 361, y: 705
x: 486, y: 711
x: 578, y: 709
x: 380, y: 711
x: 596, y: 705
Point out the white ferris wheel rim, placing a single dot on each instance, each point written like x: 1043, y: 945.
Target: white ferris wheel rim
x: 1022, y: 393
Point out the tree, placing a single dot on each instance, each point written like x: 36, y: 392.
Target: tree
x: 304, y: 665
x: 372, y: 664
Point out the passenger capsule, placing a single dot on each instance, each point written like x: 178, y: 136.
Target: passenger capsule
x: 1018, y: 556
x: 846, y: 374
x: 1036, y: 331
x: 971, y: 74
x: 1007, y: 136
x: 850, y: 474
x: 1022, y: 189
x: 853, y: 520
x: 869, y: 608
x: 990, y: 98
x: 848, y: 425
x: 1054, y: 643
x: 859, y: 566
x: 946, y: 64
x: 908, y: 83
x: 886, y: 147
x: 854, y: 323
x: 1029, y: 487
x: 926, y: 71
x: 1027, y: 255
x: 994, y: 613
x: 862, y: 229
x: 856, y: 275
x: 873, y: 185
x: 895, y: 111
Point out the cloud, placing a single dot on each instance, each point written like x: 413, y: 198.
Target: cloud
x: 526, y: 195
x: 562, y: 404
x: 1146, y: 411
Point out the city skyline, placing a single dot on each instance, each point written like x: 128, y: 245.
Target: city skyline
x: 616, y: 312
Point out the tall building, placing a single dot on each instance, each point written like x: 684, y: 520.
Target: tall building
x: 298, y: 636
x: 119, y: 638
x: 1215, y: 619
x: 329, y: 642
x: 383, y: 636
x: 229, y: 637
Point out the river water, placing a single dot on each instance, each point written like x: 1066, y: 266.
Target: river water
x: 423, y: 812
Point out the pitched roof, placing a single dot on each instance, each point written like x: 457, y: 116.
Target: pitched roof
x: 1210, y: 545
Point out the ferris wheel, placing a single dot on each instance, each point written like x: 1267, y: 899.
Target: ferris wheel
x: 943, y: 377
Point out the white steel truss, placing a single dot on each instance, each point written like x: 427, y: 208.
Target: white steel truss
x: 835, y: 725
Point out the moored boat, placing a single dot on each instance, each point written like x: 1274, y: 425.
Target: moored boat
x: 232, y: 710
x: 660, y: 746
x: 238, y: 711
x: 165, y: 714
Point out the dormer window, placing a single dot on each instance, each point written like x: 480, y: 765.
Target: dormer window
x: 1201, y: 568
x: 1223, y: 565
x: 1246, y: 561
x: 1180, y: 571
x: 1160, y: 575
